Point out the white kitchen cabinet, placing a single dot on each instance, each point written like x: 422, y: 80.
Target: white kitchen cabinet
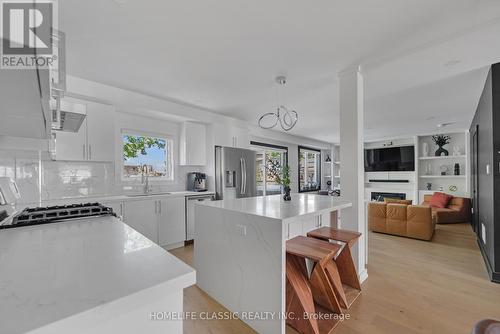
x: 142, y: 216
x: 71, y: 145
x: 193, y: 144
x: 94, y: 141
x: 100, y: 132
x: 171, y: 221
x: 231, y: 136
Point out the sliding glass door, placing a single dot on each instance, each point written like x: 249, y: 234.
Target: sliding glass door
x: 309, y: 169
x: 270, y: 159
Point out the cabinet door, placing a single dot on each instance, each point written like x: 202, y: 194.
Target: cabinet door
x: 171, y: 223
x: 70, y: 145
x: 142, y: 216
x: 193, y: 144
x: 100, y: 132
x: 310, y: 223
x: 223, y: 136
x: 241, y: 138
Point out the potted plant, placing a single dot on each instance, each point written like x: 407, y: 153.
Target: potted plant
x: 441, y: 140
x: 280, y: 175
x: 285, y: 182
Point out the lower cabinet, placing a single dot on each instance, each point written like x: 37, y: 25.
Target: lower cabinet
x: 160, y: 220
x: 171, y: 223
x: 142, y: 216
x: 302, y: 225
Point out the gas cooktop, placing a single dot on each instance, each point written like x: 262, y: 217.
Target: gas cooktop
x: 52, y: 214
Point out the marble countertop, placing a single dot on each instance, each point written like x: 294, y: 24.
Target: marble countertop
x: 50, y: 272
x: 275, y: 207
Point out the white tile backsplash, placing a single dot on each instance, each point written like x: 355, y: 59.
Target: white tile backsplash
x: 41, y: 179
x: 64, y: 179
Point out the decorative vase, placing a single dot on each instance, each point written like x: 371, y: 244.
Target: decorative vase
x: 441, y: 151
x: 287, y: 196
x: 425, y: 150
x: 457, y: 169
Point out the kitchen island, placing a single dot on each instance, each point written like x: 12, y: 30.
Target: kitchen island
x: 239, y: 251
x: 91, y: 275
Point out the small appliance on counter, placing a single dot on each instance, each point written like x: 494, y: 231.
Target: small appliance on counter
x: 197, y: 182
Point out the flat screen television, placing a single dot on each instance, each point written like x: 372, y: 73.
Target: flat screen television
x: 390, y: 159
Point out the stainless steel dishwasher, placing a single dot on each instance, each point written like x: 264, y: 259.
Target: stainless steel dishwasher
x: 190, y: 202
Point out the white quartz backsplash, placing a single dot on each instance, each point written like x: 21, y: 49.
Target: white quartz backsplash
x: 41, y: 179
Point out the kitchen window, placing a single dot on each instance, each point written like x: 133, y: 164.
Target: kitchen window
x: 269, y: 157
x: 145, y: 152
x: 309, y: 169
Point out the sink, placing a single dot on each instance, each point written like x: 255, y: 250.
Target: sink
x: 148, y: 194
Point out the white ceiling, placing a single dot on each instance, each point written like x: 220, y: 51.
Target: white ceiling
x: 421, y: 58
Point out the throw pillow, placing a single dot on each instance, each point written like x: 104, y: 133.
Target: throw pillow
x: 440, y: 200
x: 398, y: 201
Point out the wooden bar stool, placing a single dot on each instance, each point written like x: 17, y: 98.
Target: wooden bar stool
x: 351, y: 287
x: 314, y: 294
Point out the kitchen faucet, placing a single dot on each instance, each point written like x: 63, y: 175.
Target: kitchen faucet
x: 145, y: 178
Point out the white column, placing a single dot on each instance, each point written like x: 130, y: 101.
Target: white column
x: 351, y: 101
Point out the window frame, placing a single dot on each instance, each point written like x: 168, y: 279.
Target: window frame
x: 169, y: 142
x: 265, y: 147
x: 305, y: 148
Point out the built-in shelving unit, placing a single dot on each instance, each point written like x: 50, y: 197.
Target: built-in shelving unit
x: 331, y: 169
x: 429, y: 167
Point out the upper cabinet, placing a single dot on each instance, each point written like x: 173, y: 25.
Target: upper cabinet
x: 193, y: 144
x: 100, y: 132
x: 231, y: 136
x: 95, y: 140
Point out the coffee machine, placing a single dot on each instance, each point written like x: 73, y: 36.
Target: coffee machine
x: 197, y: 182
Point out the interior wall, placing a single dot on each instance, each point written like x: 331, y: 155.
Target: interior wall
x: 486, y: 118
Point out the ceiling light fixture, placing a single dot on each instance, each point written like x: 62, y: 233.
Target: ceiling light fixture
x: 442, y: 125
x: 285, y: 117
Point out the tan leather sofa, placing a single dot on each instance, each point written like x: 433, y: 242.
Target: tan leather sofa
x: 413, y: 221
x: 457, y: 211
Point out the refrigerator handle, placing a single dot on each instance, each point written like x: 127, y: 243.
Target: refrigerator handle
x: 243, y: 176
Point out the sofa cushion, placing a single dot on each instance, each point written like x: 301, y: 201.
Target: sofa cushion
x: 398, y: 201
x: 396, y: 219
x: 377, y: 214
x: 440, y: 200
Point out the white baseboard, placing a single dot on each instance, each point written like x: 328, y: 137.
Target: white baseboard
x: 363, y: 275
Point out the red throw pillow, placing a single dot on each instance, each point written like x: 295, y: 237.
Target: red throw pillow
x: 440, y: 200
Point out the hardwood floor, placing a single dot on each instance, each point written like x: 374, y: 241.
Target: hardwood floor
x: 413, y: 287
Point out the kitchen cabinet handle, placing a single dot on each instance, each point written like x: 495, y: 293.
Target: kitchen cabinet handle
x: 121, y: 209
x: 156, y: 207
x: 84, y: 156
x: 90, y: 152
x: 159, y: 207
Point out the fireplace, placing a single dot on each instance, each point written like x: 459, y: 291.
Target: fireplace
x: 378, y: 196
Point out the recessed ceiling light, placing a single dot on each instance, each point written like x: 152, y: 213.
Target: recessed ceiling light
x: 442, y: 125
x: 452, y: 62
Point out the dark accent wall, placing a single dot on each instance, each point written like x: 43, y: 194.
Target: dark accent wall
x: 487, y: 206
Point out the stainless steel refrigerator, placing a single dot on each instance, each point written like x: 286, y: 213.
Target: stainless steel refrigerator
x: 235, y: 173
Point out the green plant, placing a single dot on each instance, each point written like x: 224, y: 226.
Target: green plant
x: 441, y: 140
x: 135, y: 145
x: 281, y: 175
x: 285, y: 178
